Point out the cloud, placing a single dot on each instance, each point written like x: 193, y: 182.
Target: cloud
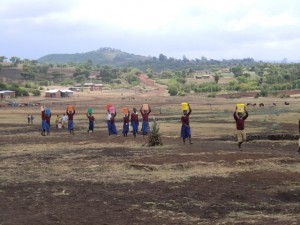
x: 216, y: 28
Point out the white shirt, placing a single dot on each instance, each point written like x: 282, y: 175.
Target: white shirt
x: 108, y: 116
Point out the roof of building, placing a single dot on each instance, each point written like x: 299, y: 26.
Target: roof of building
x: 52, y: 91
x: 6, y: 91
x: 67, y: 91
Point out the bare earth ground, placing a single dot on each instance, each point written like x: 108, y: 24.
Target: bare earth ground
x: 96, y: 179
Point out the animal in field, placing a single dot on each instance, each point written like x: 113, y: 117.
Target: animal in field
x: 261, y: 104
x: 286, y: 103
x: 249, y: 104
x: 254, y: 104
x: 274, y: 104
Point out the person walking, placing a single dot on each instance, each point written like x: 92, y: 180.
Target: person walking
x: 145, y: 123
x: 126, y: 124
x: 70, y: 115
x: 64, y: 120
x: 113, y: 128
x: 43, y: 133
x: 185, y: 125
x: 91, y: 119
x: 240, y: 118
x: 48, y: 118
x: 134, y: 122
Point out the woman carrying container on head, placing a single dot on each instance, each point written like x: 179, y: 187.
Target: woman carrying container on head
x: 70, y: 114
x: 91, y: 119
x: 240, y: 115
x: 145, y: 111
x: 48, y: 118
x: 185, y: 125
x: 134, y: 122
x: 113, y: 128
x: 125, y: 122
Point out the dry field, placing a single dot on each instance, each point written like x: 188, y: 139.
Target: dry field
x: 96, y: 179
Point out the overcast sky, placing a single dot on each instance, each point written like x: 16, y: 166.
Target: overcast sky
x: 216, y: 29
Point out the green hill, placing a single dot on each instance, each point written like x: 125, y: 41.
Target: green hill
x: 106, y: 56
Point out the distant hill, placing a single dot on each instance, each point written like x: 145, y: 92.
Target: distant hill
x: 103, y: 56
x: 117, y: 58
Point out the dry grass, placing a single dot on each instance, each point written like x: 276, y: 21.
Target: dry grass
x: 27, y: 157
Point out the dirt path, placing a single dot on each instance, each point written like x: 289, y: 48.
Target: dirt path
x: 155, y: 89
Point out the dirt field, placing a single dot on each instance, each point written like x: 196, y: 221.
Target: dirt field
x: 96, y: 179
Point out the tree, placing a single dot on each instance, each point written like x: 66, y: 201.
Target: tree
x: 28, y: 76
x: 162, y: 58
x: 217, y: 77
x: 2, y: 58
x: 80, y: 78
x: 173, y: 87
x: 36, y: 92
x: 237, y: 70
x: 15, y: 59
x: 3, y: 86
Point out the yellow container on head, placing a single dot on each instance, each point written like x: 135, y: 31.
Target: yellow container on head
x: 184, y: 106
x: 240, y: 108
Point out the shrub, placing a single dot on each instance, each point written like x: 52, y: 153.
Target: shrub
x: 36, y: 92
x: 212, y: 95
x: 154, y: 137
x: 284, y: 96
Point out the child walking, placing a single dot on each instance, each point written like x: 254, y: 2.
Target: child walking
x: 134, y: 122
x: 185, y: 125
x: 91, y: 119
x: 145, y: 124
x: 126, y: 124
x: 240, y: 126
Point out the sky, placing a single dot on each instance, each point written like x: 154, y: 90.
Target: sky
x: 215, y: 29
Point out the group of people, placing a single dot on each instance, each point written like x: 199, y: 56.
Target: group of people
x: 132, y: 118
x: 60, y: 121
x: 30, y: 119
x: 67, y: 118
x: 129, y: 118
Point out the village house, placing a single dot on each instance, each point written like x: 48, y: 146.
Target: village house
x: 59, y: 93
x: 53, y: 94
x: 93, y: 87
x: 66, y: 93
x: 7, y: 94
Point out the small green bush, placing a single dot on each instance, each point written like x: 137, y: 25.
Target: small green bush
x: 154, y: 137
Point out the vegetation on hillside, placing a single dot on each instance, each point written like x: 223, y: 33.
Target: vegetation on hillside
x: 119, y: 69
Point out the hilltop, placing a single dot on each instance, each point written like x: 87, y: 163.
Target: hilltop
x: 106, y: 56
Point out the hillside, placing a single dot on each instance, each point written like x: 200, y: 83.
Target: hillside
x: 106, y: 56
x: 117, y: 58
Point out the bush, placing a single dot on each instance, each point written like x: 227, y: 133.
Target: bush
x: 264, y: 92
x: 44, y: 83
x: 172, y: 90
x: 212, y: 95
x: 154, y: 137
x: 284, y: 96
x: 36, y: 92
